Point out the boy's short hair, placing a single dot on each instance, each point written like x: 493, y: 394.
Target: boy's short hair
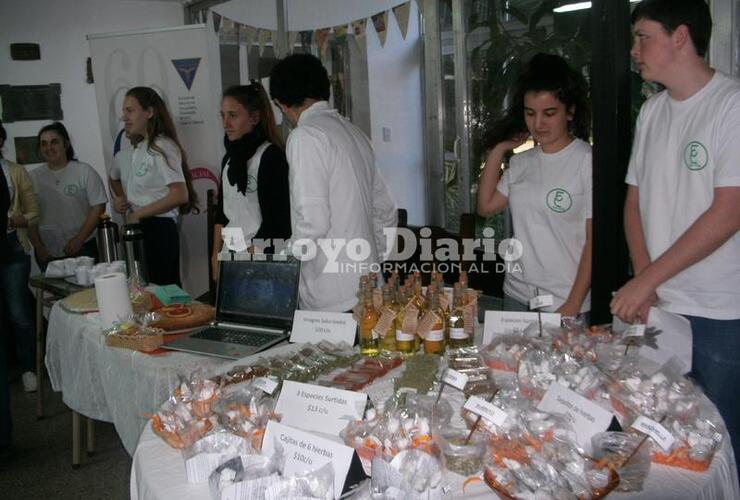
x: 299, y: 77
x: 673, y: 13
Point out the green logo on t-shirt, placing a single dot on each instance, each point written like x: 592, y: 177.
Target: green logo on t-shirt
x: 142, y: 170
x: 559, y: 200
x: 251, y: 184
x: 71, y: 189
x: 695, y: 156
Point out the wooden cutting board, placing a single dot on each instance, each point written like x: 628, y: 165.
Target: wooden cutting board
x: 184, y: 316
x: 81, y: 302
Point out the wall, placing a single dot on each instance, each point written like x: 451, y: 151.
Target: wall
x: 60, y: 27
x: 396, y: 103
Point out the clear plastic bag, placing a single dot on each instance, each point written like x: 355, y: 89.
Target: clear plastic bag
x: 616, y: 450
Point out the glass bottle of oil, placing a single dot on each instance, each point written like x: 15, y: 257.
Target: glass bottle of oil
x: 434, y: 341
x: 388, y: 342
x: 456, y: 321
x: 368, y: 336
x: 405, y: 324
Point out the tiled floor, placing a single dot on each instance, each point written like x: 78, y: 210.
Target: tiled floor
x: 41, y: 468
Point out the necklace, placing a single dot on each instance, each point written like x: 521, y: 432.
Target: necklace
x: 57, y: 174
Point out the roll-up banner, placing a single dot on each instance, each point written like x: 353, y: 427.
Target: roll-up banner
x: 183, y: 65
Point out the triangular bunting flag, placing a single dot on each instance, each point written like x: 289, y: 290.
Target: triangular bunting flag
x: 358, y: 27
x: 216, y: 21
x: 247, y: 33
x: 264, y: 39
x: 380, y: 22
x: 402, y: 17
x: 305, y: 38
x: 321, y: 36
x: 340, y: 31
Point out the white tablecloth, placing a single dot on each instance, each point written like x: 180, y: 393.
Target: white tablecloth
x: 108, y: 383
x: 158, y: 471
x: 122, y: 386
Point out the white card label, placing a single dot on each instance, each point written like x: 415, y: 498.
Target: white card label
x: 306, y: 452
x: 635, y: 331
x: 314, y: 326
x: 655, y: 430
x: 455, y: 379
x: 540, y: 301
x: 514, y: 323
x: 587, y: 417
x: 317, y: 408
x: 487, y: 410
x: 265, y: 384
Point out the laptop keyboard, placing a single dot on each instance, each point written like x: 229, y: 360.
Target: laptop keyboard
x: 233, y: 336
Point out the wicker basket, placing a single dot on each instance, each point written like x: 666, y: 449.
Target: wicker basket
x: 136, y: 341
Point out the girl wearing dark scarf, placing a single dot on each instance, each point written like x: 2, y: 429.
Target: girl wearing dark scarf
x: 254, y: 194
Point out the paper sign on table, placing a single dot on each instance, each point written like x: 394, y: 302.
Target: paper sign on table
x: 306, y: 452
x: 540, y: 301
x: 317, y: 408
x: 487, y: 410
x: 314, y: 326
x: 513, y: 323
x: 655, y: 430
x: 587, y: 417
x: 455, y: 379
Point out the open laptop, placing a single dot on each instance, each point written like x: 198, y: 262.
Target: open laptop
x: 255, y: 301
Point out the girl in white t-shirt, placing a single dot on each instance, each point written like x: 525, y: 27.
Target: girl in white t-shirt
x: 71, y: 197
x: 154, y: 185
x: 548, y: 188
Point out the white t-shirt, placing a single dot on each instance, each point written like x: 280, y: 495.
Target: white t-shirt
x: 243, y: 210
x: 550, y: 199
x: 145, y: 173
x: 336, y: 191
x: 65, y: 196
x: 682, y: 151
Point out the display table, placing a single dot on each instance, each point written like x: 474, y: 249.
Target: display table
x: 158, y: 470
x: 123, y: 387
x: 46, y: 291
x: 111, y: 384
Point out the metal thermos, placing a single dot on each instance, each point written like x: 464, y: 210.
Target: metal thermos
x: 107, y: 236
x: 133, y: 243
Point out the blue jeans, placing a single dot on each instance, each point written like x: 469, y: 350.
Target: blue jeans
x: 716, y: 367
x: 15, y: 301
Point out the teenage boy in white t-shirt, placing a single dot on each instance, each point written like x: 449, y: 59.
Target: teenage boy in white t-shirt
x: 682, y: 212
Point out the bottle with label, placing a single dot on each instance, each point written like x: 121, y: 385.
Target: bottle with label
x: 434, y: 340
x: 456, y: 321
x: 384, y: 328
x: 406, y: 323
x: 370, y: 316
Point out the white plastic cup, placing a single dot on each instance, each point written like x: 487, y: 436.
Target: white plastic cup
x: 69, y: 266
x: 117, y: 266
x: 82, y: 275
x: 85, y: 261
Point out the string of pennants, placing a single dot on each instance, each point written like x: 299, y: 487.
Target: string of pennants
x: 263, y: 37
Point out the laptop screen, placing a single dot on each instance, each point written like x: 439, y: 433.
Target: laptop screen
x: 261, y: 293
